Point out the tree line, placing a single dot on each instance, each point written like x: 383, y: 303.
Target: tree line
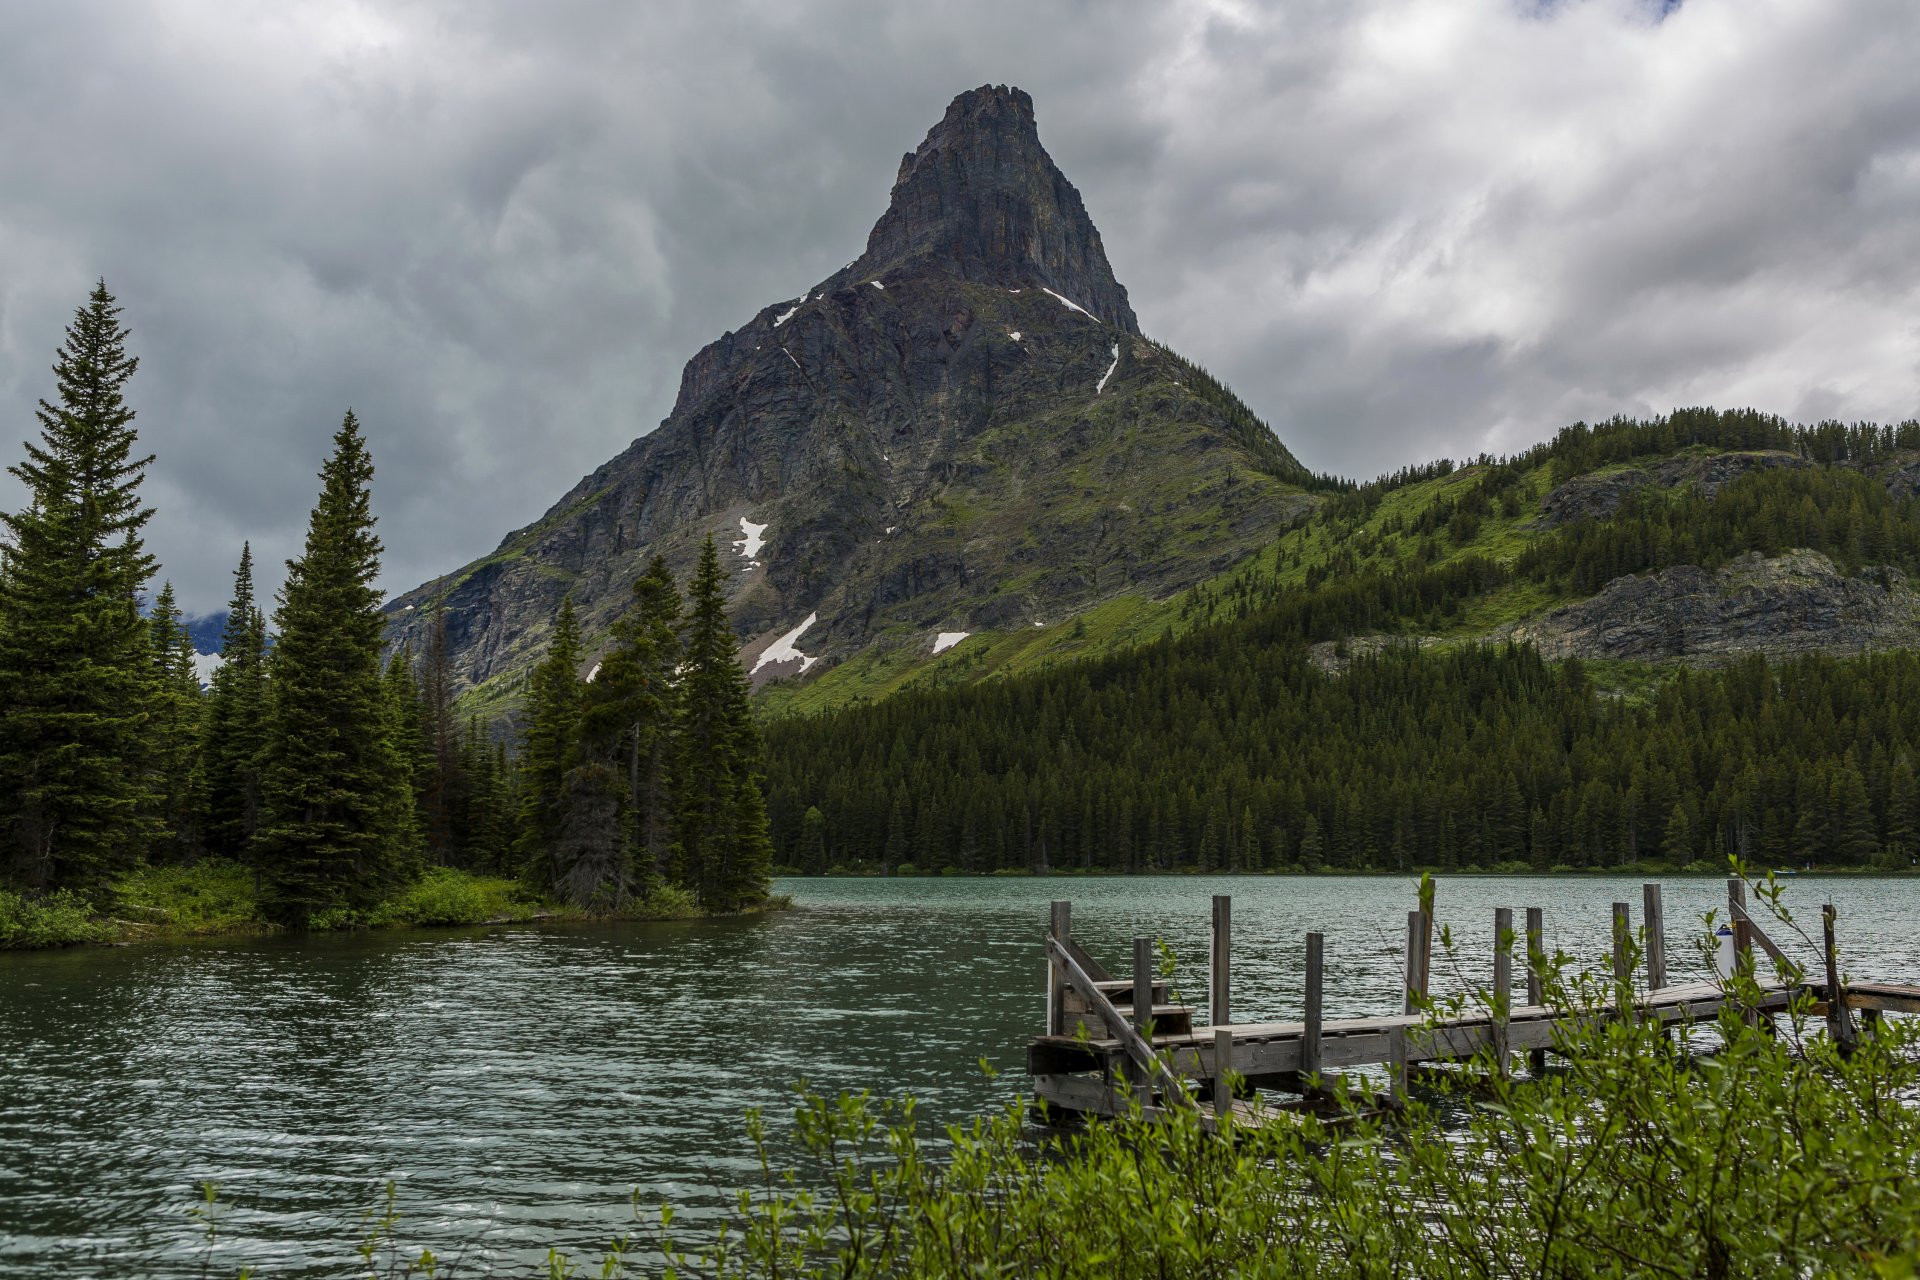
x: 337, y: 775
x: 1227, y: 752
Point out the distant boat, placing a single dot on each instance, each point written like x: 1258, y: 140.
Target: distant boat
x: 1785, y: 871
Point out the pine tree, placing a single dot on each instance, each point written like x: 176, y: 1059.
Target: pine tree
x: 75, y: 660
x: 489, y: 835
x: 629, y: 716
x: 236, y: 722
x: 337, y: 826
x: 173, y: 729
x: 406, y: 727
x: 443, y: 794
x: 549, y: 746
x: 721, y: 835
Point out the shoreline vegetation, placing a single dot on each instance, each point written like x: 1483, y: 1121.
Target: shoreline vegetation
x: 217, y: 898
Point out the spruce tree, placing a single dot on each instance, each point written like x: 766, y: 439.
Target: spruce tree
x: 338, y: 822
x: 444, y: 783
x: 75, y: 657
x: 489, y: 834
x: 549, y: 747
x: 236, y: 722
x: 721, y: 836
x: 630, y: 715
x: 406, y: 727
x: 174, y: 780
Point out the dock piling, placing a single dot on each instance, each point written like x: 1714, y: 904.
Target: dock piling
x: 1310, y: 1028
x: 1143, y: 1002
x: 1742, y: 930
x: 1536, y: 977
x: 1622, y: 938
x: 1220, y: 983
x: 1839, y: 1021
x: 1502, y: 984
x: 1060, y: 925
x: 1416, y: 962
x: 1656, y: 926
x: 1222, y: 1075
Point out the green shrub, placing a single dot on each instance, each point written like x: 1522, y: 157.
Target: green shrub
x: 445, y: 896
x: 212, y: 896
x: 59, y: 919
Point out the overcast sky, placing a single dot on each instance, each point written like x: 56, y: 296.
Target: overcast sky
x: 497, y: 228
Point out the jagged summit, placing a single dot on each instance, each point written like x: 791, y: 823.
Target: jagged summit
x: 961, y: 432
x: 982, y: 200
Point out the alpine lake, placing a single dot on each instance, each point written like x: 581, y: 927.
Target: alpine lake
x: 526, y: 1087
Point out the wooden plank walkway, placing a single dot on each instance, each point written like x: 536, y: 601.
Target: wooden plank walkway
x: 1104, y: 1031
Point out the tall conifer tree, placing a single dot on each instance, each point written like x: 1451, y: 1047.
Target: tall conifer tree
x: 721, y: 836
x: 631, y: 713
x: 549, y: 746
x: 443, y: 793
x: 338, y: 816
x: 75, y: 657
x: 176, y: 708
x: 236, y: 722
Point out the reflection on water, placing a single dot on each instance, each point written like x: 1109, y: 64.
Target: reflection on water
x: 520, y: 1083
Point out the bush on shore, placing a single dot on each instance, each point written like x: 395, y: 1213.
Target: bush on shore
x: 55, y: 920
x: 218, y: 897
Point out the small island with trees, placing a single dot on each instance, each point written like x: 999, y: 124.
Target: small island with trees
x: 315, y: 784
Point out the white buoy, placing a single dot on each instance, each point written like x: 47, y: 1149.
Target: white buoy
x: 1723, y: 951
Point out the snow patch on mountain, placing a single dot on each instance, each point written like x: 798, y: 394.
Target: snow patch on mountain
x: 751, y: 539
x: 1071, y: 305
x: 782, y: 650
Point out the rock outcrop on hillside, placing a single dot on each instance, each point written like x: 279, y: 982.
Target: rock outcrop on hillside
x: 1599, y: 494
x: 962, y: 429
x: 1797, y: 602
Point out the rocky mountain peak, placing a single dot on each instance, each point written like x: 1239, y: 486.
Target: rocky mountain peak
x: 982, y: 200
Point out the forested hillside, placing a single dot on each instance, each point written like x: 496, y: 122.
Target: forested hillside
x: 1256, y: 733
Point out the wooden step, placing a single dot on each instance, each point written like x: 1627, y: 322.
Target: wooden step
x: 1121, y: 993
x: 1168, y: 1020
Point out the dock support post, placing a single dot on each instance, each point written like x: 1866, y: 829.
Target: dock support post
x: 1220, y: 982
x: 1656, y: 926
x: 1502, y: 984
x: 1222, y: 1081
x: 1839, y: 1022
x: 1622, y: 964
x: 1416, y: 962
x: 1742, y: 931
x: 1143, y: 1008
x: 1536, y: 977
x: 1397, y: 1063
x: 1310, y: 1029
x: 1060, y: 925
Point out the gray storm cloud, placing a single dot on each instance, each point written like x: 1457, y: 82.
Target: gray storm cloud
x: 496, y: 230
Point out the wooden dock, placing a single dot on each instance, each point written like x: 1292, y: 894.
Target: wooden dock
x: 1112, y: 1041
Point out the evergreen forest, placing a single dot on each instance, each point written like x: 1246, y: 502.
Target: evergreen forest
x: 1255, y: 741
x: 336, y: 778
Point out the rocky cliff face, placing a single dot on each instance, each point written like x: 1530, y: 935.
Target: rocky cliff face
x: 962, y: 429
x: 1792, y: 603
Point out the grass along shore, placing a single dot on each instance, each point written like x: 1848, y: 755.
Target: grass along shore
x: 216, y: 898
